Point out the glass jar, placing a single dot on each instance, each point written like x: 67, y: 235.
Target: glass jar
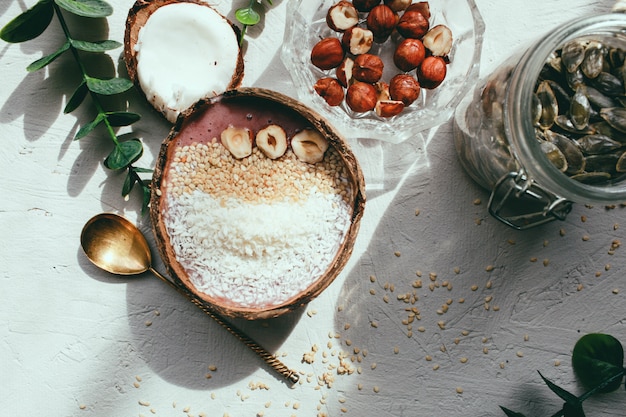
x: 500, y: 144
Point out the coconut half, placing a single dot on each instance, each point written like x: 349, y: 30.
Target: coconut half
x: 180, y: 51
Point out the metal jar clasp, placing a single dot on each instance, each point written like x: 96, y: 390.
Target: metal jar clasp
x: 519, y: 202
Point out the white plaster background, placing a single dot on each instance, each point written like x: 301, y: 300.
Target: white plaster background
x: 74, y: 340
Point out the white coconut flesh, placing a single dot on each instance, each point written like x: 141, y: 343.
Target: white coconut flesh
x: 185, y: 52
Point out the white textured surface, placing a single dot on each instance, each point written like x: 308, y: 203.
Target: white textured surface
x: 72, y: 336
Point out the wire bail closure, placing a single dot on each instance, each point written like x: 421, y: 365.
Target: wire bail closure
x: 519, y: 202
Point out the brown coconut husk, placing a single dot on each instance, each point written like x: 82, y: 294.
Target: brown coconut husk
x: 357, y: 203
x: 137, y: 17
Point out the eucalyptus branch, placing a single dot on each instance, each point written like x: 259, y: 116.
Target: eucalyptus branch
x: 33, y: 23
x: 597, y: 360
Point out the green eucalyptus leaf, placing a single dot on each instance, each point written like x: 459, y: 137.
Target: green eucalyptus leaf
x: 510, y: 413
x: 86, y: 8
x: 43, y: 61
x: 247, y: 16
x: 563, y: 394
x: 571, y: 410
x: 129, y: 182
x: 86, y: 129
x: 146, y: 198
x: 29, y: 24
x: 122, y: 118
x: 77, y: 97
x: 596, y: 358
x: 100, y: 46
x: 143, y: 170
x: 108, y: 87
x: 124, y: 154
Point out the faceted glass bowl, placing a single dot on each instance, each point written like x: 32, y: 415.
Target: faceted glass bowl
x: 307, y: 25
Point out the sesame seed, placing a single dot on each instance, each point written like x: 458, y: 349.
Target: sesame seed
x: 459, y: 390
x: 463, y: 360
x: 557, y: 363
x: 519, y: 354
x: 489, y: 268
x: 615, y: 291
x: 435, y: 367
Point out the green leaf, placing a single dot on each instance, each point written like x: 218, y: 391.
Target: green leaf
x: 42, y: 62
x: 79, y: 95
x: 146, y: 198
x: 124, y: 154
x: 86, y: 8
x: 86, y: 129
x: 29, y: 24
x: 129, y: 182
x: 573, y: 410
x: 100, y: 46
x: 143, y: 170
x: 563, y: 394
x: 596, y: 358
x: 510, y: 413
x: 108, y: 87
x: 247, y: 16
x: 122, y: 118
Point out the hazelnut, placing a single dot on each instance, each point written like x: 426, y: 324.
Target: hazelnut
x: 368, y: 68
x: 405, y: 88
x: 421, y: 6
x: 388, y: 108
x: 327, y: 53
x: 409, y: 54
x: 365, y: 5
x: 381, y: 20
x: 398, y: 5
x: 382, y: 91
x: 361, y: 97
x: 342, y: 16
x: 330, y: 90
x: 357, y: 40
x: 344, y: 72
x: 432, y: 72
x: 413, y: 24
x: 438, y: 40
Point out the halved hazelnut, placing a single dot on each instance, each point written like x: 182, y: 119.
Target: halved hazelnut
x: 342, y: 16
x: 365, y: 5
x: 398, y: 5
x: 413, y: 24
x: 382, y: 91
x: 405, y: 88
x: 421, y: 6
x: 368, y: 68
x: 389, y: 108
x: 409, y: 54
x: 361, y: 97
x: 272, y: 141
x: 381, y: 20
x: 432, y: 72
x: 327, y: 53
x: 309, y: 146
x: 357, y: 40
x: 344, y: 72
x: 438, y: 40
x: 238, y: 141
x: 330, y: 90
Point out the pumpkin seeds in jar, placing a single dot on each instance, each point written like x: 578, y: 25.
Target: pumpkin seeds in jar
x: 580, y: 109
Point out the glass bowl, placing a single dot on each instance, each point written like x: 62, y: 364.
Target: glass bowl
x: 307, y: 25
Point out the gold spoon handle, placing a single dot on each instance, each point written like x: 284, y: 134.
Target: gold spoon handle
x: 270, y: 359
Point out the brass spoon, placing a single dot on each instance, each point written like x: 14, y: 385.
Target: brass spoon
x: 115, y: 245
